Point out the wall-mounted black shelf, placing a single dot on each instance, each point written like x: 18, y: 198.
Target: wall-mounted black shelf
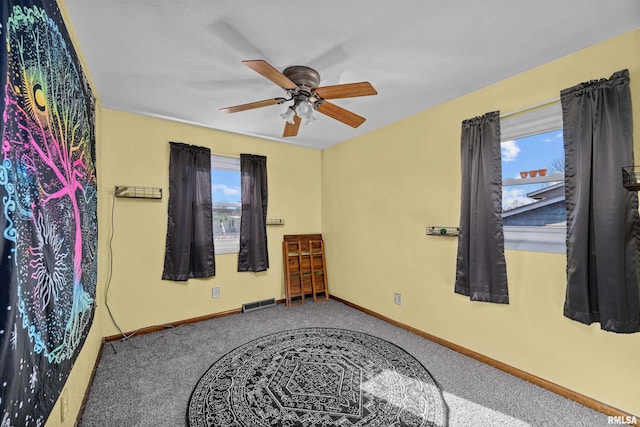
x: 132, y: 192
x: 630, y: 176
x: 275, y: 221
x: 443, y: 231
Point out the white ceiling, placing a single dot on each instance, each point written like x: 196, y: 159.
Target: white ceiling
x: 181, y: 59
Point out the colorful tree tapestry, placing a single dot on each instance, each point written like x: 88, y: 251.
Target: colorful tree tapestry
x: 48, y: 210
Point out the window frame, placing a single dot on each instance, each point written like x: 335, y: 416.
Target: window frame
x: 549, y: 238
x: 225, y: 163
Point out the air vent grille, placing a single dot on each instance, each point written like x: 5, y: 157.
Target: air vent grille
x: 257, y: 305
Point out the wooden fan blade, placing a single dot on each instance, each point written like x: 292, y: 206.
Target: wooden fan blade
x: 346, y: 90
x: 292, y: 129
x: 340, y: 114
x: 252, y: 105
x: 267, y: 70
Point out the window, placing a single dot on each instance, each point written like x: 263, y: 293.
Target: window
x: 227, y: 207
x: 533, y: 205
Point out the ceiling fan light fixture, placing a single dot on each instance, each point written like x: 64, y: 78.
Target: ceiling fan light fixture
x: 310, y: 119
x: 289, y: 115
x: 301, y: 85
x: 304, y: 110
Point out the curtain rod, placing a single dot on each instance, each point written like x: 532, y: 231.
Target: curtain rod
x: 530, y: 107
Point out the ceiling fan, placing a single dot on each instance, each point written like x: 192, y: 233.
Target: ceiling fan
x: 301, y: 84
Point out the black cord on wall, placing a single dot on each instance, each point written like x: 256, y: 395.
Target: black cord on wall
x: 125, y: 336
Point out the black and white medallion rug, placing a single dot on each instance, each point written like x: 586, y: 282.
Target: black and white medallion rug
x: 317, y: 377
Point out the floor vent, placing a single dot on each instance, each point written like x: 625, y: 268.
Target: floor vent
x: 252, y: 306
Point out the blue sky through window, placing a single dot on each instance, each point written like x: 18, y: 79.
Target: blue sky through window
x: 225, y: 186
x: 532, y: 152
x: 525, y: 154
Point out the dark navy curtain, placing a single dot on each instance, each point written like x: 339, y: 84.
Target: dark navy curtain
x: 189, y: 250
x: 253, y: 255
x: 602, y: 216
x: 481, y: 269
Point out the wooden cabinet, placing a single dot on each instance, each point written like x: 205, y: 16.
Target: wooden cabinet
x: 305, y: 268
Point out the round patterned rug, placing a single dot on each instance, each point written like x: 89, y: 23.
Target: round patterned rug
x: 317, y: 377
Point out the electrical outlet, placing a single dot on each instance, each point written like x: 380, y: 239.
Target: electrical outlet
x: 64, y: 404
x: 397, y: 298
x: 215, y: 293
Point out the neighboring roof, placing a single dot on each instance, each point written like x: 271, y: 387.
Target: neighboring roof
x: 546, y: 192
x: 533, y: 206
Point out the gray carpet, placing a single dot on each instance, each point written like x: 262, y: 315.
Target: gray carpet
x: 149, y: 380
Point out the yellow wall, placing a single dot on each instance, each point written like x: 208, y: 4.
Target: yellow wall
x: 381, y: 190
x: 136, y: 152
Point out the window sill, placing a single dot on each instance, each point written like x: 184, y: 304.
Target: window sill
x: 550, y: 239
x: 552, y: 177
x: 226, y: 247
